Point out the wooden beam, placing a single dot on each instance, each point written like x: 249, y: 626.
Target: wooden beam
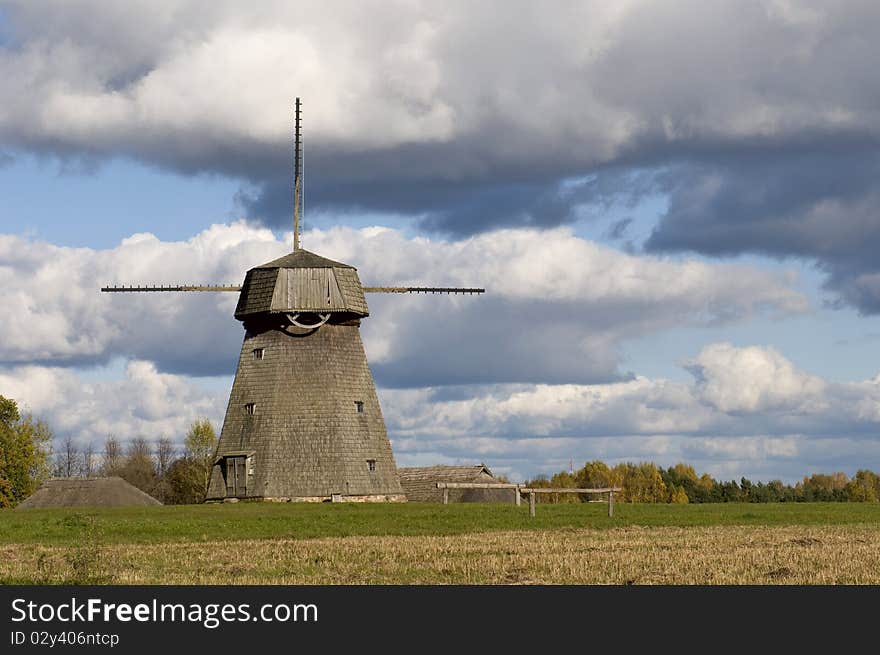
x: 445, y: 496
x: 531, y: 503
x: 476, y: 485
x: 569, y: 490
x: 160, y: 287
x: 459, y: 290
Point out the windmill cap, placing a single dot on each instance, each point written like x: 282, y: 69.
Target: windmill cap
x: 302, y: 282
x: 303, y: 259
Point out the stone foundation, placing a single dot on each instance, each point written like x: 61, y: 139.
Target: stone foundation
x: 378, y: 498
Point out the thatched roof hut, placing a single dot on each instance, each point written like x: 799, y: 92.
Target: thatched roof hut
x: 87, y: 492
x: 419, y: 483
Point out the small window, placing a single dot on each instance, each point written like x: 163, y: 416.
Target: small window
x: 359, y: 405
x: 250, y: 408
x: 258, y: 353
x: 371, y: 465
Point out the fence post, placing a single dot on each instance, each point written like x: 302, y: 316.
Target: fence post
x: 516, y: 497
x: 531, y: 503
x: 445, y: 495
x: 610, y: 503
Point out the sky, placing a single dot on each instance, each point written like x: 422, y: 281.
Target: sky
x: 672, y: 207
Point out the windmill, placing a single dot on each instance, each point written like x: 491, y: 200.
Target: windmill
x: 303, y: 421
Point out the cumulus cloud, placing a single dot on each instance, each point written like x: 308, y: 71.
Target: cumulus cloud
x: 472, y: 118
x: 143, y: 403
x: 755, y: 379
x: 748, y: 411
x: 526, y: 429
x: 557, y: 309
x: 437, y: 107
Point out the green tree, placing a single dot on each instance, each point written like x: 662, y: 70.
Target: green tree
x: 200, y: 448
x: 183, y: 483
x: 25, y: 445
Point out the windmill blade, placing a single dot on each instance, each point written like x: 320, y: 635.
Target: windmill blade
x: 162, y: 287
x: 461, y: 290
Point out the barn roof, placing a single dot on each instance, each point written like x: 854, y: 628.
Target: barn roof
x: 419, y: 483
x: 443, y: 473
x: 87, y: 492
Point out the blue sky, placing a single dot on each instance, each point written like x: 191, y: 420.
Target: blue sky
x: 677, y: 239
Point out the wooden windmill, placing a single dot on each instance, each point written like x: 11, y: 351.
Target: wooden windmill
x: 303, y: 421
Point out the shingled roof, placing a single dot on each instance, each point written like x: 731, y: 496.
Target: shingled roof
x: 303, y: 259
x: 419, y: 483
x: 301, y: 282
x: 87, y: 492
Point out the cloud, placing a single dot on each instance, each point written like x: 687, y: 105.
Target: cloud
x: 819, y: 206
x: 749, y: 411
x: 755, y: 379
x: 736, y: 392
x: 557, y: 307
x: 526, y: 429
x: 143, y: 403
x: 468, y: 116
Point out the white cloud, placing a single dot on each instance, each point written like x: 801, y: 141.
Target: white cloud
x: 749, y: 411
x: 737, y: 392
x: 143, y: 403
x: 556, y: 310
x: 755, y: 379
x: 520, y: 430
x: 188, y: 82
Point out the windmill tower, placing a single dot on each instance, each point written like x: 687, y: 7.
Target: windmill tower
x: 303, y: 421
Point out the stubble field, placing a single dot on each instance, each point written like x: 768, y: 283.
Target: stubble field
x: 433, y: 544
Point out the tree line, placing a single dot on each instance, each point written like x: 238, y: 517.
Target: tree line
x: 648, y: 483
x: 27, y: 458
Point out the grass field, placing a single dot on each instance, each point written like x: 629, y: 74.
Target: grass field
x: 465, y: 544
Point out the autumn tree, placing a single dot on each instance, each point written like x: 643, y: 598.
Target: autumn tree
x: 596, y: 475
x: 642, y: 483
x: 25, y: 445
x: 864, y: 487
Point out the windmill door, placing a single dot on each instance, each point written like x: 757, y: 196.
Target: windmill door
x: 236, y: 477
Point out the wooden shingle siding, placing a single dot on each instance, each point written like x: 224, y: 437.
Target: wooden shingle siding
x: 256, y: 292
x: 352, y: 291
x: 308, y: 438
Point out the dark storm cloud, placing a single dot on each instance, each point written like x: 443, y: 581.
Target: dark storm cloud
x: 456, y: 208
x: 467, y: 117
x: 818, y: 204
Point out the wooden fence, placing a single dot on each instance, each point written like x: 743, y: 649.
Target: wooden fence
x: 519, y: 489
